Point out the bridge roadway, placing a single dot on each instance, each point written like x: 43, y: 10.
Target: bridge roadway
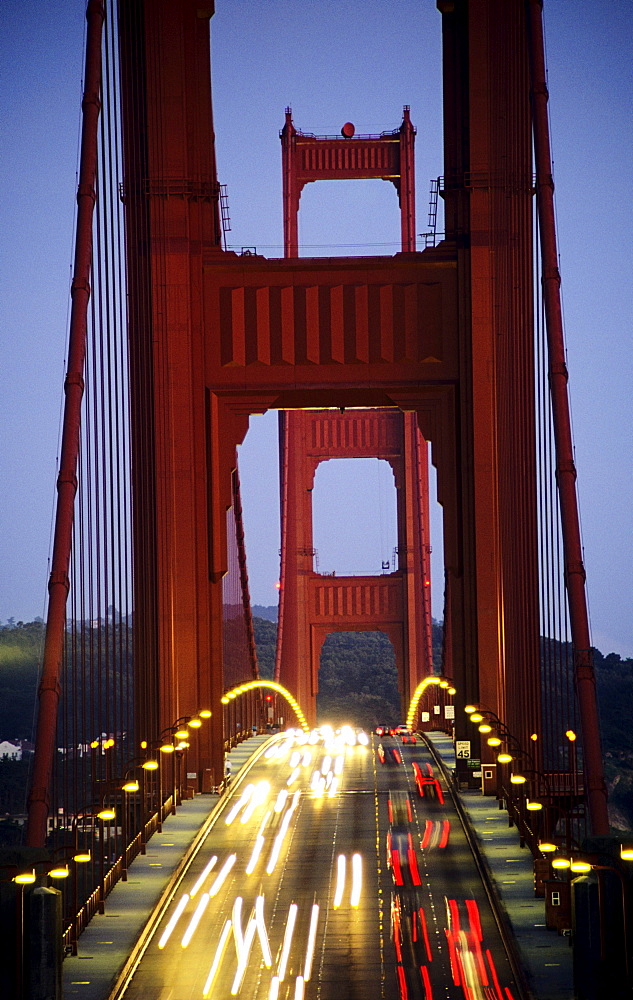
x: 378, y: 948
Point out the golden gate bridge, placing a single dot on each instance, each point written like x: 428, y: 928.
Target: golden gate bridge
x: 453, y: 353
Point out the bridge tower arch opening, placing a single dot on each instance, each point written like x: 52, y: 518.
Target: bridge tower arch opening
x: 358, y: 679
x: 355, y: 516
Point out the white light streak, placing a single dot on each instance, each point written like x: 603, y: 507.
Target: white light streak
x: 279, y: 839
x: 306, y: 760
x: 243, y: 961
x: 299, y: 988
x: 274, y: 988
x: 195, y: 920
x: 257, y: 850
x: 262, y: 932
x: 237, y: 926
x: 264, y: 822
x: 285, y: 948
x: 338, y: 764
x: 340, y: 880
x: 333, y: 789
x: 307, y: 965
x: 221, y: 876
x: 219, y: 954
x: 295, y: 757
x: 243, y: 799
x: 357, y: 880
x: 326, y: 764
x: 261, y: 793
x: 293, y: 777
x: 348, y: 734
x: 202, y: 878
x: 173, y: 920
x: 281, y: 800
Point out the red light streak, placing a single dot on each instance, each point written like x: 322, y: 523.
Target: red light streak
x: 426, y: 982
x: 446, y: 829
x: 473, y: 917
x: 454, y: 917
x: 413, y: 867
x: 397, y: 870
x: 452, y: 954
x: 402, y: 982
x: 495, y: 978
x: 425, y: 932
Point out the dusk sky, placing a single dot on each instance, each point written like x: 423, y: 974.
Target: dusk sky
x: 332, y: 62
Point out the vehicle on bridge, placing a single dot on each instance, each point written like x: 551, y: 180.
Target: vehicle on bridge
x: 427, y: 783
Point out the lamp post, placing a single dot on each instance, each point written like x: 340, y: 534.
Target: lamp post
x: 584, y: 863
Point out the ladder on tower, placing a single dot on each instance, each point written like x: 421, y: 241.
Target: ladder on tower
x: 224, y: 212
x: 430, y: 236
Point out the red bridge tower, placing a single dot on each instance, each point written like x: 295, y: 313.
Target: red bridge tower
x: 312, y: 605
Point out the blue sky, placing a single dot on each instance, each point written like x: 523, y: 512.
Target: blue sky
x: 332, y: 62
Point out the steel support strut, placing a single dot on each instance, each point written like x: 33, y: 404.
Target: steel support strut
x: 565, y: 469
x: 58, y: 584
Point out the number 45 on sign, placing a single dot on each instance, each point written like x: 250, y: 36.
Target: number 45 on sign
x: 462, y: 749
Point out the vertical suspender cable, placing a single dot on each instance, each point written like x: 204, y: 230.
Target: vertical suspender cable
x: 283, y: 456
x: 565, y: 469
x: 49, y: 689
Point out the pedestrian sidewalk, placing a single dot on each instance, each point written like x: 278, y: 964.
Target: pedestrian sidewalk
x: 110, y: 937
x: 545, y: 955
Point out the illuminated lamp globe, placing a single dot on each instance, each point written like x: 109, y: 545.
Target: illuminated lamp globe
x: 493, y: 741
x: 181, y: 734
x: 150, y: 765
x: 60, y: 872
x: 533, y: 806
x: 25, y: 878
x: 546, y: 847
x: 560, y: 863
x: 580, y: 866
x: 626, y: 853
x: 82, y: 857
x: 167, y: 748
x: 106, y: 814
x: 205, y: 713
x: 452, y: 690
x: 484, y: 728
x: 469, y: 709
x: 476, y: 717
x: 518, y: 779
x: 505, y: 758
x: 131, y: 786
x: 195, y: 723
x: 443, y: 684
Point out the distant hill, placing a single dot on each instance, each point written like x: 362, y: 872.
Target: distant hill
x: 271, y: 614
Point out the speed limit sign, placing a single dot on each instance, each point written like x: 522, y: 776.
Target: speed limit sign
x: 462, y: 749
